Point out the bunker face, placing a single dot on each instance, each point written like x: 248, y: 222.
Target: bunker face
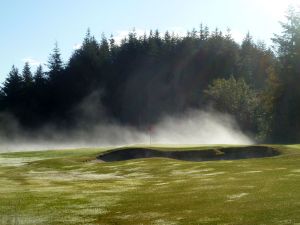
x: 191, y: 155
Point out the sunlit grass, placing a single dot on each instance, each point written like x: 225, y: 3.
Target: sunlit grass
x: 69, y: 187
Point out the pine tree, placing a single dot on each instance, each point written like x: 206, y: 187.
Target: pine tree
x: 55, y: 64
x: 27, y: 75
x: 112, y: 43
x: 13, y: 84
x: 288, y: 45
x: 287, y: 114
x: 206, y: 32
x: 228, y: 35
x: 12, y: 92
x: 104, y: 50
x: 39, y: 76
x: 247, y: 57
x: 201, y: 32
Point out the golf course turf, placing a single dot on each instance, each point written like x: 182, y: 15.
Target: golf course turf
x: 73, y: 187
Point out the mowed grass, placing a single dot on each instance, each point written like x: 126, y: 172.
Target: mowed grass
x: 69, y: 187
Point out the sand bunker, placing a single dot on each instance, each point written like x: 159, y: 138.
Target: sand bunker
x: 231, y: 153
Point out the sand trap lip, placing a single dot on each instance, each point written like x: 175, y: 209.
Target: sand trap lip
x: 230, y: 153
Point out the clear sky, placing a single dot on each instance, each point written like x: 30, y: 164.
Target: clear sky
x: 29, y: 28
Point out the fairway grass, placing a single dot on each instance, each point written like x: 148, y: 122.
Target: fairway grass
x: 71, y: 187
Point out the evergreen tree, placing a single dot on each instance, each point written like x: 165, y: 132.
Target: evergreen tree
x: 287, y: 127
x: 39, y: 76
x: 254, y: 62
x: 55, y: 64
x: 247, y: 56
x: 12, y: 91
x: 104, y: 50
x: 27, y: 75
x: 13, y: 84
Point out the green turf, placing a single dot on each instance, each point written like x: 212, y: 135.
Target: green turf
x: 68, y: 187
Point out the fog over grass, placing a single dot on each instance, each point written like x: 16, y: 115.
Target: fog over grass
x: 191, y: 128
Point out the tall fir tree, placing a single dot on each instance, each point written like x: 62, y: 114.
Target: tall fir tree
x: 55, y: 64
x: 287, y: 113
x: 39, y: 76
x: 13, y: 83
x: 27, y: 75
x: 12, y: 92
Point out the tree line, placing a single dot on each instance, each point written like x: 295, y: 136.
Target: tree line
x: 143, y: 78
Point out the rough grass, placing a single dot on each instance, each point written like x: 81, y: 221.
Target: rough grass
x: 69, y: 187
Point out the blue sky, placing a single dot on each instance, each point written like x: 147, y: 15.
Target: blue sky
x: 29, y: 28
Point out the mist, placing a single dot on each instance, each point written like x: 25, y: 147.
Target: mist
x: 191, y: 128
